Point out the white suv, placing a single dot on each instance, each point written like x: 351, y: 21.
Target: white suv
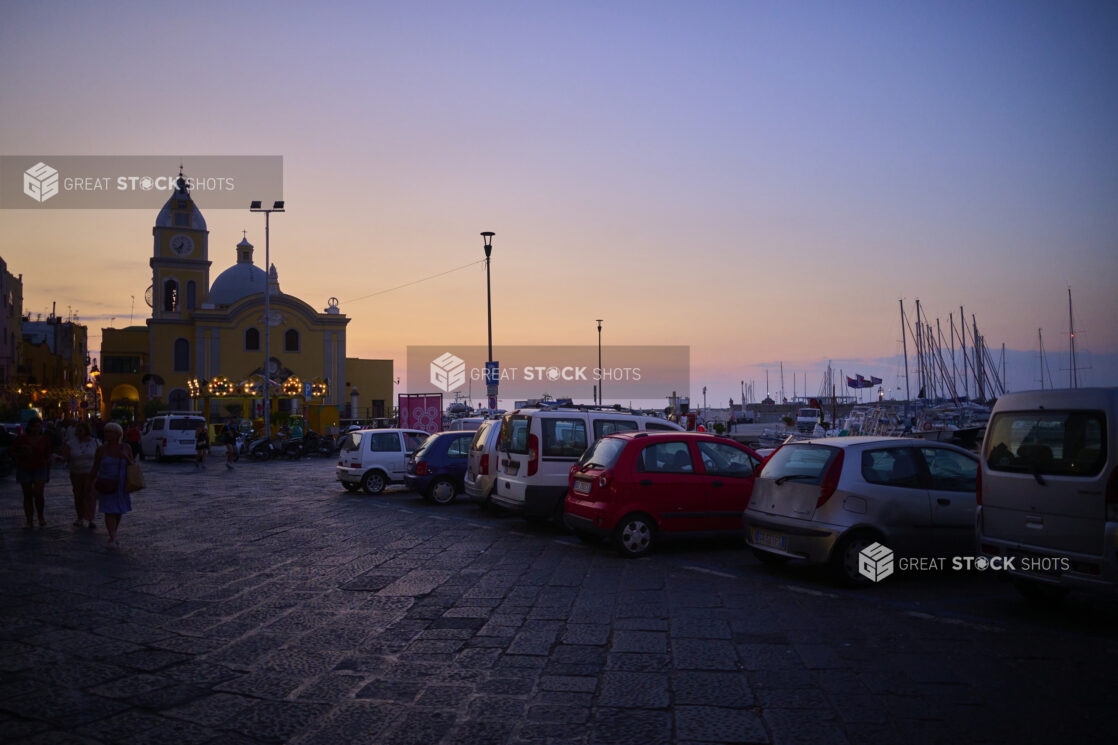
x: 170, y: 435
x: 371, y: 459
x: 537, y: 447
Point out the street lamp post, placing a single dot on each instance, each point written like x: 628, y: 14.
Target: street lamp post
x: 490, y: 385
x: 601, y: 377
x: 276, y: 207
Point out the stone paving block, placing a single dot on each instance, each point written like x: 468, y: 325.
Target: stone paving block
x: 800, y: 727
x: 583, y: 684
x: 416, y: 583
x: 170, y: 731
x: 633, y: 690
x: 276, y: 721
x: 352, y: 723
x: 64, y: 708
x: 630, y: 727
x: 262, y: 684
x: 112, y: 729
x: 211, y: 710
x: 479, y: 733
x: 404, y: 691
x: 639, y: 662
x: 711, y: 724
x: 591, y: 634
x: 641, y: 642
x: 420, y: 728
x: 501, y: 708
x: 533, y: 641
x: 699, y: 627
x: 445, y: 697
x: 704, y: 654
x: 727, y: 689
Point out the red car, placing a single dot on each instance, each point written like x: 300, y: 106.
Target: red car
x: 641, y: 487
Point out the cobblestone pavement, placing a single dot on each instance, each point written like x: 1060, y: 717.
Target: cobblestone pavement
x: 268, y: 605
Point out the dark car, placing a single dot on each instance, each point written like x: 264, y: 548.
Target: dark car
x: 437, y: 470
x: 640, y: 487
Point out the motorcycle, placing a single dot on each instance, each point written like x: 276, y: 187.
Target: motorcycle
x: 301, y: 447
x: 263, y: 449
x: 327, y: 446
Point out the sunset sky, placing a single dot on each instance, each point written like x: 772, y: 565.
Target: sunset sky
x: 761, y: 181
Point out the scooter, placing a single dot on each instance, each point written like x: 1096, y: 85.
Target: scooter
x: 265, y: 449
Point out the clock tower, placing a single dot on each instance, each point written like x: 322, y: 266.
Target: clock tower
x: 180, y: 262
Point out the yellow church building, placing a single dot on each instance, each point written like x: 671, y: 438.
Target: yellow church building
x: 203, y: 347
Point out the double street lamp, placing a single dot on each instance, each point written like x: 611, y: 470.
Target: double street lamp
x: 276, y: 207
x: 601, y: 377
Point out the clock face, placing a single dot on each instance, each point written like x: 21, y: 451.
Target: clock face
x: 182, y: 244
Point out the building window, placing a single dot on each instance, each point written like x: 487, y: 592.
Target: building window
x: 182, y: 355
x: 170, y: 296
x: 191, y: 294
x: 252, y: 340
x: 127, y: 365
x: 291, y: 341
x: 178, y: 400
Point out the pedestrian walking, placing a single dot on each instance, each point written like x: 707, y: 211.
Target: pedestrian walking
x: 31, y: 452
x: 110, y: 466
x: 201, y: 446
x: 132, y: 437
x: 229, y: 437
x: 79, y: 453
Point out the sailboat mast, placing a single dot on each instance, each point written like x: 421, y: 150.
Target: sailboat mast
x: 904, y: 346
x: 1040, y: 347
x: 1074, y: 373
x: 963, y: 345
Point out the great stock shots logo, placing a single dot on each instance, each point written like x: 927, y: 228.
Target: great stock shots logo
x: 448, y: 372
x: 875, y: 562
x: 40, y: 182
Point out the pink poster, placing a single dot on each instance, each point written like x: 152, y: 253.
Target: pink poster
x: 422, y: 411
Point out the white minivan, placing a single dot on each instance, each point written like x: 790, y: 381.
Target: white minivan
x: 371, y: 459
x: 1048, y: 490
x: 537, y: 447
x: 170, y: 435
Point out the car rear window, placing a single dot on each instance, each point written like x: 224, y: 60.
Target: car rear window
x: 803, y: 462
x: 514, y: 434
x: 1054, y: 443
x: 185, y: 424
x: 603, y: 453
x: 351, y: 441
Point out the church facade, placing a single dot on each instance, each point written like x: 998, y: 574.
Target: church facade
x: 205, y: 341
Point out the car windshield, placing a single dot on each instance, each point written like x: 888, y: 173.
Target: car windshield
x: 603, y: 453
x: 799, y: 462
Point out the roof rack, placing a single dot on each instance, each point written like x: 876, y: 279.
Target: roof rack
x: 616, y: 408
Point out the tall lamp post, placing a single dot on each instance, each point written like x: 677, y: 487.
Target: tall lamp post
x: 490, y: 385
x: 601, y: 400
x: 276, y: 207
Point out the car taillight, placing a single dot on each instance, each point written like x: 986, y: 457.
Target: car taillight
x: 831, y: 480
x: 421, y: 468
x: 604, y: 479
x: 484, y: 465
x: 1112, y: 496
x: 341, y: 463
x: 164, y: 442
x: 533, y: 454
x: 978, y: 486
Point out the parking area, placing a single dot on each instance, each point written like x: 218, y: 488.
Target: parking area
x: 267, y: 604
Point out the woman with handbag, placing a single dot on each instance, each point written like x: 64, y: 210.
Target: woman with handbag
x: 109, y: 482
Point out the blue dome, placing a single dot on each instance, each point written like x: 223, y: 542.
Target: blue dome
x: 237, y: 282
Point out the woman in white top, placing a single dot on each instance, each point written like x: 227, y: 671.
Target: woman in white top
x: 79, y: 454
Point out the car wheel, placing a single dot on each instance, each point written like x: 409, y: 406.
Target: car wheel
x: 773, y: 560
x: 442, y: 491
x: 634, y: 535
x: 845, y: 558
x: 373, y: 482
x: 350, y: 486
x: 1039, y: 593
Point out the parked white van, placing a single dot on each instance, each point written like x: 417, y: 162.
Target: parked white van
x: 170, y: 435
x: 537, y: 447
x: 371, y: 459
x: 1048, y: 490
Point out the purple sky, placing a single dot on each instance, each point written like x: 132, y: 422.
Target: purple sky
x: 761, y: 181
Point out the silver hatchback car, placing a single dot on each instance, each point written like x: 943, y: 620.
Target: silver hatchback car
x: 823, y: 501
x: 481, y: 473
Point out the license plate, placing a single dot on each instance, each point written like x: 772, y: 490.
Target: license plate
x: 582, y: 487
x: 772, y: 540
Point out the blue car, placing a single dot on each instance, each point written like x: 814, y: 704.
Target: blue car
x: 438, y: 469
